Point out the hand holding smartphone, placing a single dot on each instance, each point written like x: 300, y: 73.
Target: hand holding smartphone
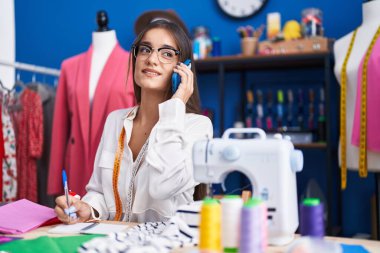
x: 176, y: 78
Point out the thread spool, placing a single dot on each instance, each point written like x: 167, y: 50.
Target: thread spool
x: 210, y: 227
x: 231, y: 213
x: 254, y: 228
x: 311, y: 218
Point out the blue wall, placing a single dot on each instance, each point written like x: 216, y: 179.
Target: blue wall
x: 48, y: 32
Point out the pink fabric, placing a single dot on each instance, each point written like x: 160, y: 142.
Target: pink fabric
x: 373, y: 102
x: 77, y: 129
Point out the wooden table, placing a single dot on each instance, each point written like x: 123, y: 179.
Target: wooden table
x: 371, y: 246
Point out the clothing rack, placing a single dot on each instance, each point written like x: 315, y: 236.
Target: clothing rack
x: 31, y: 68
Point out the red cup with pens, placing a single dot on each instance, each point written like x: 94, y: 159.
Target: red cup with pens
x: 249, y: 39
x: 70, y: 210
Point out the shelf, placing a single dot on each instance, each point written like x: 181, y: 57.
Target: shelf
x: 257, y: 62
x: 320, y: 145
x: 319, y: 63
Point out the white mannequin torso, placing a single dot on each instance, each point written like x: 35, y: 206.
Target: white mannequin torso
x: 364, y: 35
x: 103, y: 43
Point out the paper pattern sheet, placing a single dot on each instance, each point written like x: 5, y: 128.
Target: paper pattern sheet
x: 88, y: 228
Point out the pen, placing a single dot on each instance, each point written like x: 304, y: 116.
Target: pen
x: 311, y: 109
x: 83, y: 230
x: 260, y: 109
x: 280, y: 109
x: 269, y: 119
x: 66, y: 189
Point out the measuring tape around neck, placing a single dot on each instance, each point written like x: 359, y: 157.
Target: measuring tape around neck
x: 115, y: 175
x: 343, y: 93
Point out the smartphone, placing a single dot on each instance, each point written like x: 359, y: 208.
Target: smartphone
x: 176, y: 78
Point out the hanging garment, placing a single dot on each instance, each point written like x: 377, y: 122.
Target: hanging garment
x: 9, y: 163
x: 29, y: 143
x: 47, y: 94
x: 373, y: 102
x: 76, y: 128
x: 1, y: 155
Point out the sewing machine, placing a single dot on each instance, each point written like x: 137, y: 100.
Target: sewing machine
x: 270, y: 164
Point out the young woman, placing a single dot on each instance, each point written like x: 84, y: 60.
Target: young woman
x: 143, y: 168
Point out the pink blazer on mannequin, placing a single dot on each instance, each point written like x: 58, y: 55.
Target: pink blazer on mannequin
x: 76, y: 127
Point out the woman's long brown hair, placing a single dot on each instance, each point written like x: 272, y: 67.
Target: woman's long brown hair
x: 193, y: 105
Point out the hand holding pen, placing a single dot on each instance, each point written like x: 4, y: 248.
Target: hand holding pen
x: 70, y: 209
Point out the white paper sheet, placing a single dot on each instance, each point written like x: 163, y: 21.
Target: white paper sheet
x: 88, y: 228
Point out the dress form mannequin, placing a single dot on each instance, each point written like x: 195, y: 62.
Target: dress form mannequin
x: 103, y: 42
x: 365, y: 33
x: 80, y: 111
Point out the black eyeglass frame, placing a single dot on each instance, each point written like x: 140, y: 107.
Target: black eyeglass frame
x: 135, y: 47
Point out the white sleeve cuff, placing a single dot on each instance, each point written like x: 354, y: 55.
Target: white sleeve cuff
x: 93, y: 216
x: 172, y: 111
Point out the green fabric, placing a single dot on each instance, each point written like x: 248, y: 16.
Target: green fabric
x: 66, y: 244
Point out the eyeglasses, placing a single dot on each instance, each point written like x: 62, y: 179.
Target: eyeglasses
x: 165, y: 54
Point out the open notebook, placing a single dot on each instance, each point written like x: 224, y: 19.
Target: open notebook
x: 88, y: 228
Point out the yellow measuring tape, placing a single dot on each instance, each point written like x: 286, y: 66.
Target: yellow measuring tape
x: 343, y: 92
x: 363, y: 170
x: 115, y: 175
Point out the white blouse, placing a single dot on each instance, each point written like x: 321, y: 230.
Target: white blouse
x: 165, y: 177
